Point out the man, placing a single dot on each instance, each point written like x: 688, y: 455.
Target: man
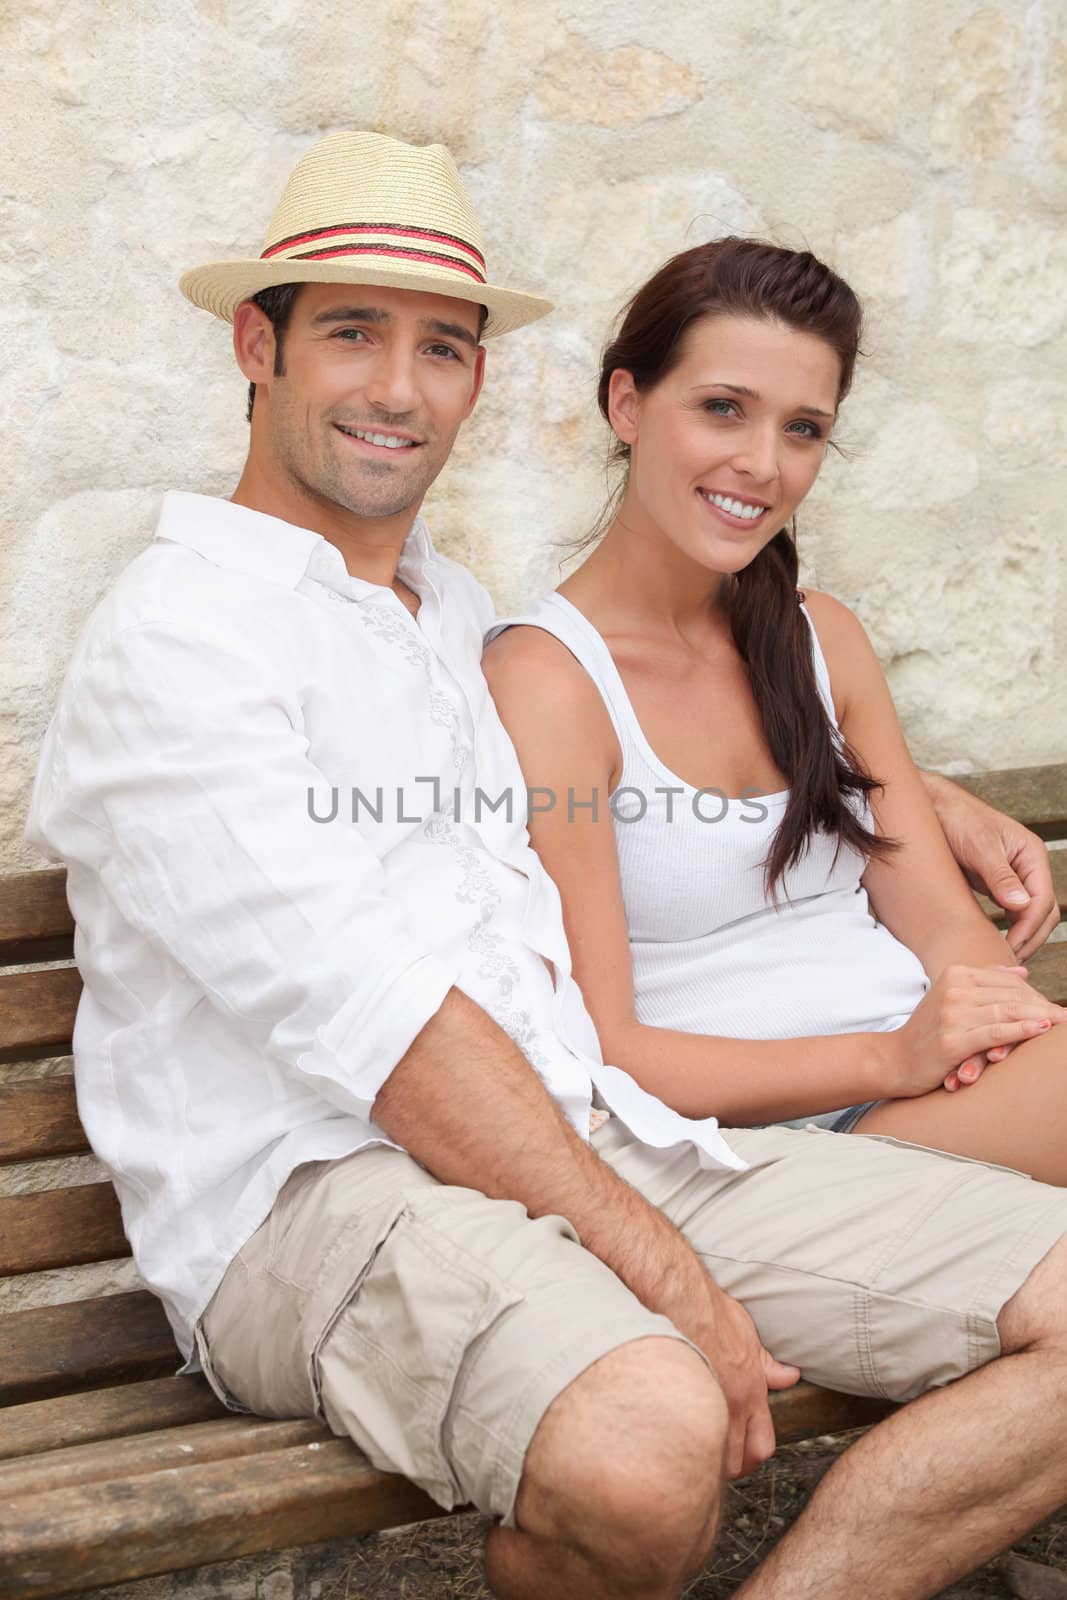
x: 331, y: 1052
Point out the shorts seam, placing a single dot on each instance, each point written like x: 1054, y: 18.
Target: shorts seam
x: 995, y: 1274
x: 845, y: 1283
x: 457, y: 1346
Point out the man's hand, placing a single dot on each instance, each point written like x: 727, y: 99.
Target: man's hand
x: 1000, y: 858
x: 745, y: 1372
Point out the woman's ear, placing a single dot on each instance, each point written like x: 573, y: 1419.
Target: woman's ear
x: 624, y: 404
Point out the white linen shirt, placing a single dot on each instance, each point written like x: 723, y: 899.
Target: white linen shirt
x: 261, y: 776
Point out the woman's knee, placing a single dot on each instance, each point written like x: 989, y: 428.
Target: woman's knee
x: 627, y: 1464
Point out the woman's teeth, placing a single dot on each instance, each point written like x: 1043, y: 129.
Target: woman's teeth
x: 389, y: 440
x: 736, y: 508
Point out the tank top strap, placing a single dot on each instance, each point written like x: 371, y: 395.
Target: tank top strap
x: 822, y: 671
x: 557, y: 616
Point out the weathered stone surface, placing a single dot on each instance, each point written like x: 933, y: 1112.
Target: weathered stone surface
x: 981, y: 92
x: 916, y: 458
x: 1026, y: 424
x: 613, y: 88
x: 596, y: 142
x: 852, y: 67
x: 1003, y: 279
x: 887, y: 259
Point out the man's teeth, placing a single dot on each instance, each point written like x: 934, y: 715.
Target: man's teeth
x: 735, y: 507
x: 390, y: 440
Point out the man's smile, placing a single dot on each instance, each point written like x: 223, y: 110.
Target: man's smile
x: 378, y: 441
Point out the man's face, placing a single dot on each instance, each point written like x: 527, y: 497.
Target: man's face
x: 376, y: 383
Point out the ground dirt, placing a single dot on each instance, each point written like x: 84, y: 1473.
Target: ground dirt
x: 442, y: 1560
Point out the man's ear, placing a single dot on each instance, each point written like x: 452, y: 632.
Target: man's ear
x: 624, y: 404
x: 253, y: 342
x: 479, y: 378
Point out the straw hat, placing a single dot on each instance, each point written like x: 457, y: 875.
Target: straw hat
x: 363, y: 208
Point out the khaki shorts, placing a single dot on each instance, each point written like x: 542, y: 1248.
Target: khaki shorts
x: 435, y: 1326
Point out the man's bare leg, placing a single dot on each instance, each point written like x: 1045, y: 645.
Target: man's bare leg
x: 620, y: 1490
x: 946, y: 1483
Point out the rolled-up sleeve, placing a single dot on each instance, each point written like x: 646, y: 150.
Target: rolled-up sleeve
x: 177, y: 771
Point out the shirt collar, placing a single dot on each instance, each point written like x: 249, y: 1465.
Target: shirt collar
x: 252, y: 542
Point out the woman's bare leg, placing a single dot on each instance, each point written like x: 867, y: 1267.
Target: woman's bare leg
x: 1015, y: 1115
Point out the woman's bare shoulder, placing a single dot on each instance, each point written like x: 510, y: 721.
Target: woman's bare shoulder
x: 541, y: 689
x: 856, y: 676
x: 840, y: 631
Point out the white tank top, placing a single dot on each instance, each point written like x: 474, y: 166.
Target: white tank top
x: 711, y: 953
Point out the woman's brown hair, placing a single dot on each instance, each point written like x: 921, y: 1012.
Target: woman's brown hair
x: 744, y: 277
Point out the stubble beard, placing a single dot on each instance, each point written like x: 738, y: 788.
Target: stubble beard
x: 371, y: 489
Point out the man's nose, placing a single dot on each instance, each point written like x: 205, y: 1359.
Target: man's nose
x: 391, y: 383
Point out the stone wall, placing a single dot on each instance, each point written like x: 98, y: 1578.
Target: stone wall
x: 921, y: 148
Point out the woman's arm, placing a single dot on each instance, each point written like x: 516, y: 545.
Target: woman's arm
x: 565, y: 740
x: 918, y: 891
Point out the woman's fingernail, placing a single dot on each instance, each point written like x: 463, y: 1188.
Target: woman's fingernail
x: 1018, y: 897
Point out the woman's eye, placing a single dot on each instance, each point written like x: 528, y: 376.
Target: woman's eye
x: 811, y: 429
x: 719, y: 408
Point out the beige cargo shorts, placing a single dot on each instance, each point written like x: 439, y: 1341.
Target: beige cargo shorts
x: 435, y: 1326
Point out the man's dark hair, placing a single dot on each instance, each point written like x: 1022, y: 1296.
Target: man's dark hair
x: 278, y: 302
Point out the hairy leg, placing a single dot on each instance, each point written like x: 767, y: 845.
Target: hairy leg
x: 620, y: 1488
x: 1014, y: 1116
x: 950, y: 1480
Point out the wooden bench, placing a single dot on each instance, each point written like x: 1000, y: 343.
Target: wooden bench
x: 111, y: 1468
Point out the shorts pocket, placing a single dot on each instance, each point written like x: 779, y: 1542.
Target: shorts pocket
x: 385, y: 1366
x: 203, y: 1351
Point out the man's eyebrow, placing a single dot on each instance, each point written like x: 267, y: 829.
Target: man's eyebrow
x: 349, y: 314
x: 449, y: 330
x: 753, y: 394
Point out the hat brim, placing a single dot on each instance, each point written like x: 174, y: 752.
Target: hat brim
x: 220, y: 286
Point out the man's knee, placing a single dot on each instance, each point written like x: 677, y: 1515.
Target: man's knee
x: 1036, y: 1315
x: 627, y: 1464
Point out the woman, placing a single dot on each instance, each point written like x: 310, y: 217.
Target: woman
x: 765, y: 919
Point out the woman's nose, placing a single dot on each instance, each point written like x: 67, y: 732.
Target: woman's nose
x: 757, y: 454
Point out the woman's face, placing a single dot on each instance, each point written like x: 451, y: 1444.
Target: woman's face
x: 726, y: 446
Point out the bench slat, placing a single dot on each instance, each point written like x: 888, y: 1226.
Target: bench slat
x: 806, y: 1411
x: 1034, y: 795
x: 74, y: 1419
x: 84, y: 1344
x: 35, y: 920
x: 60, y: 1228
x: 232, y: 1437
x: 39, y: 1118
x: 1048, y: 972
x: 37, y: 1011
x: 71, y: 1533
x: 91, y: 1534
